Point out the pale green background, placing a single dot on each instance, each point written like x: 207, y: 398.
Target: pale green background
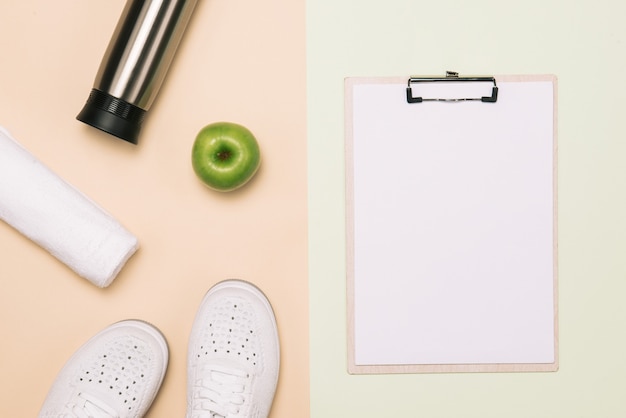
x: 584, y: 44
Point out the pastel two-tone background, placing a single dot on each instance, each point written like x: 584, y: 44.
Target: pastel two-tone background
x: 278, y: 67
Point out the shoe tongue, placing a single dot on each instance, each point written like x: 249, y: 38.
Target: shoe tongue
x: 96, y: 405
x: 228, y: 366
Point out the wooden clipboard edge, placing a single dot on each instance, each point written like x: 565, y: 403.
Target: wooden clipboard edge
x: 353, y: 368
x: 453, y: 368
x: 349, y: 219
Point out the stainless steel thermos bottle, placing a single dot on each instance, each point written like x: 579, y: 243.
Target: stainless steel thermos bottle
x: 135, y: 64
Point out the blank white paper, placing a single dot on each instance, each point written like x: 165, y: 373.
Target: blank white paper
x: 453, y: 227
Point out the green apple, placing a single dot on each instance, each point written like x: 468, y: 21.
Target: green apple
x: 225, y: 156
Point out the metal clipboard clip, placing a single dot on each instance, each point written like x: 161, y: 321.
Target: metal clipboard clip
x: 451, y: 76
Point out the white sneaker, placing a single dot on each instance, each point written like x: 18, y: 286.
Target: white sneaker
x: 233, y: 356
x: 117, y: 373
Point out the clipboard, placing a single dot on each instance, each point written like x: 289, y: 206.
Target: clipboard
x: 451, y: 224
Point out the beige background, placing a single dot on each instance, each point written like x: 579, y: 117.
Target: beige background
x: 240, y: 61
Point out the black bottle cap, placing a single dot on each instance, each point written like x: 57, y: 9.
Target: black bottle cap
x: 112, y: 115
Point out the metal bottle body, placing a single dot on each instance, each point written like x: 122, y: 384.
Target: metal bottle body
x: 141, y: 49
x: 135, y: 64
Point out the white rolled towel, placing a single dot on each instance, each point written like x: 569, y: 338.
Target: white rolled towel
x: 59, y: 218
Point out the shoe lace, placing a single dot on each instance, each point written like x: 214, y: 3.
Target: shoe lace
x: 220, y: 392
x: 88, y: 406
